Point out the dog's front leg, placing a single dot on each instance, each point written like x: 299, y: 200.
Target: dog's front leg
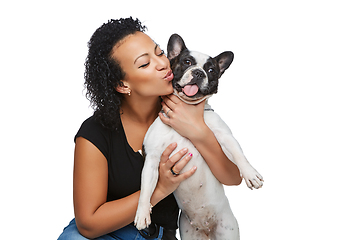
x: 149, y: 178
x: 234, y: 152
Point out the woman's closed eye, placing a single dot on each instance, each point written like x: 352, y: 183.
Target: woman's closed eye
x: 158, y: 52
x: 148, y: 63
x: 144, y: 65
x: 161, y: 53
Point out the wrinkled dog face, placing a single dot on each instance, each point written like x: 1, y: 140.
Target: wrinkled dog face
x: 196, y: 75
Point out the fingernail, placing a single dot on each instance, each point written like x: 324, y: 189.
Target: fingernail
x: 184, y: 150
x: 190, y: 154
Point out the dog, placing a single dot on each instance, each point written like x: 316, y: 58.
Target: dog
x: 205, y: 210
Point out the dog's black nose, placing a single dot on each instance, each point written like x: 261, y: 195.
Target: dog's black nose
x: 198, y: 74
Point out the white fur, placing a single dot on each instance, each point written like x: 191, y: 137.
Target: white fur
x: 201, y: 58
x: 200, y: 61
x: 206, y: 212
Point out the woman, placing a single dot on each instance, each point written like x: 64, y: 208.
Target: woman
x: 126, y: 72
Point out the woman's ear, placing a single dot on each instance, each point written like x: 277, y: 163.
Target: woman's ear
x: 123, y: 88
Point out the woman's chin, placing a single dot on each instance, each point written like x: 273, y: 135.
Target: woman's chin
x: 168, y: 91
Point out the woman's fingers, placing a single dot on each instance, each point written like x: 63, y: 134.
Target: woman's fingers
x: 169, y: 179
x: 171, y: 100
x: 176, y: 162
x: 186, y: 174
x: 167, y: 152
x: 166, y: 110
x: 181, y: 164
x: 170, y: 103
x: 176, y: 157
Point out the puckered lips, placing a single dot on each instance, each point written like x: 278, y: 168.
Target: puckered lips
x: 169, y: 76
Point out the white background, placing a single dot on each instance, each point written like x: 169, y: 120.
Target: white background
x: 291, y: 98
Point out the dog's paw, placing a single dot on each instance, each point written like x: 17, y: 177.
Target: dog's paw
x: 252, y: 178
x: 142, y: 218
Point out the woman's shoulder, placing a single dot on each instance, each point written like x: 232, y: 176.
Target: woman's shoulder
x: 94, y: 132
x: 91, y: 123
x: 91, y: 126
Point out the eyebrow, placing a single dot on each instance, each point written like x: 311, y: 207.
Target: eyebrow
x: 145, y: 54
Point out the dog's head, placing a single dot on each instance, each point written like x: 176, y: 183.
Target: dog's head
x: 196, y: 75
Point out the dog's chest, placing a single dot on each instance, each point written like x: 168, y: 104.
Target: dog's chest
x: 200, y: 195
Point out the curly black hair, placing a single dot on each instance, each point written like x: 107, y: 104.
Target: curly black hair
x: 103, y: 74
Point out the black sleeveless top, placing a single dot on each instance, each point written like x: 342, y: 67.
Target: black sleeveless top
x: 124, y: 169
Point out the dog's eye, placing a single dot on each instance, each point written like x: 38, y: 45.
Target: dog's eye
x: 187, y: 62
x: 211, y: 70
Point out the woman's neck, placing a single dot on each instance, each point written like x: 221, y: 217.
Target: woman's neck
x: 140, y: 110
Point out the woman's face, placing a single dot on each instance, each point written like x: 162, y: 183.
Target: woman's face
x: 147, y: 69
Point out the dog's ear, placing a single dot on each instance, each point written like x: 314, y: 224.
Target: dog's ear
x: 175, y: 46
x: 224, y: 60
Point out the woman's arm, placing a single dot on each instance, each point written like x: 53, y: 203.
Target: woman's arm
x: 188, y: 121
x: 222, y: 168
x: 96, y: 217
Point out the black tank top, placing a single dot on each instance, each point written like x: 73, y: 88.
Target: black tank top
x: 124, y: 169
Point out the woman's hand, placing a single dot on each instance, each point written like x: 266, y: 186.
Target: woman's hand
x: 186, y: 119
x: 168, y: 182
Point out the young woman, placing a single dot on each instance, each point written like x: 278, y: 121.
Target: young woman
x: 126, y: 73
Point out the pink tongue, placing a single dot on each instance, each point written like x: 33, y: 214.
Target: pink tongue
x: 190, y: 90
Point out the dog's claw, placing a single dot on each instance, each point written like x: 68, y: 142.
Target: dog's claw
x: 142, y: 218
x: 253, y: 178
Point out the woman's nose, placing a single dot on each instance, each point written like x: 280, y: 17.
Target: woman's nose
x: 162, y: 63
